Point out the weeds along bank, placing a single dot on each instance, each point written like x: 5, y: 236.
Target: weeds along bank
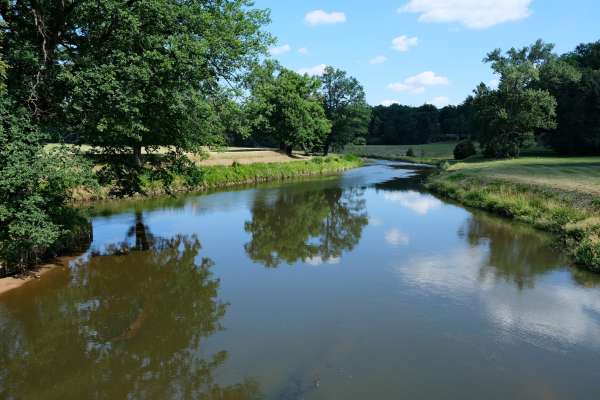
x: 220, y: 176
x: 575, y: 215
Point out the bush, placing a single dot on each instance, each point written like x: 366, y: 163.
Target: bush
x: 464, y: 150
x: 35, y: 188
x: 410, y: 152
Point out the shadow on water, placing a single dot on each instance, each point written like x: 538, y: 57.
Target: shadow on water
x: 127, y: 323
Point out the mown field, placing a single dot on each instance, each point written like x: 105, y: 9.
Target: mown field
x: 429, y: 153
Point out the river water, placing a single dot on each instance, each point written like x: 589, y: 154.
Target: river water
x: 359, y: 286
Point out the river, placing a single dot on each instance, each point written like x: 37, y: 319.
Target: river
x: 358, y: 286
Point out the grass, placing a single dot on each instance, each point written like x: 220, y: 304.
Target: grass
x: 557, y: 194
x: 220, y: 176
x: 431, y: 153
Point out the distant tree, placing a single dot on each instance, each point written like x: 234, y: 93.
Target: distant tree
x: 345, y: 106
x: 509, y: 116
x: 574, y: 80
x: 286, y: 105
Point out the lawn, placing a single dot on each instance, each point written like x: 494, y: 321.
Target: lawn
x: 574, y: 174
x: 431, y: 153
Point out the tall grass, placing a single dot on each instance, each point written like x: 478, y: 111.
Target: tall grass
x: 573, y: 215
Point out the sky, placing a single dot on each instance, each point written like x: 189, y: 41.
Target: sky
x: 420, y: 51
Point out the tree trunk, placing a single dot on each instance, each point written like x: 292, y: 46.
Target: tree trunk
x: 288, y: 150
x: 137, y: 156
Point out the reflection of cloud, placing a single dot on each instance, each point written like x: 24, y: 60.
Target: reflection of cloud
x: 318, y: 260
x: 561, y: 313
x: 395, y: 237
x: 374, y: 221
x: 418, y: 202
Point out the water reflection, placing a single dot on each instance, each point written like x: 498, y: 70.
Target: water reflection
x: 311, y: 226
x: 124, y: 326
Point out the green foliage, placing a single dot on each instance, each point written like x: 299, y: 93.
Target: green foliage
x: 410, y: 152
x: 286, y: 106
x: 509, y: 116
x: 35, y: 188
x: 345, y: 107
x: 464, y: 150
x: 574, y: 80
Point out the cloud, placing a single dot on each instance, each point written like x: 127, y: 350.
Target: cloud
x: 396, y: 238
x: 278, y: 50
x: 317, y: 70
x: 318, y: 260
x: 417, y: 84
x: 415, y: 201
x: 474, y: 14
x: 388, y: 103
x: 320, y: 17
x: 378, y: 60
x: 439, y: 101
x: 303, y: 51
x: 403, y: 43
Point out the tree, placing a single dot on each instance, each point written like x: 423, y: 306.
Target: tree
x: 35, y: 189
x: 127, y: 75
x: 509, y: 116
x: 574, y: 80
x: 345, y: 106
x: 286, y: 106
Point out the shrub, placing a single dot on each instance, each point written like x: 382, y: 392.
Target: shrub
x: 410, y: 152
x: 464, y: 150
x: 35, y: 188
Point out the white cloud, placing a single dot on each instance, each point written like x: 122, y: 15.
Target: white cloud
x: 278, y: 50
x: 474, y: 14
x: 439, y: 101
x: 378, y: 60
x: 318, y: 260
x: 396, y: 238
x: 403, y: 43
x: 317, y: 70
x: 303, y: 51
x: 415, y: 201
x: 388, y: 103
x: 417, y: 84
x: 320, y: 17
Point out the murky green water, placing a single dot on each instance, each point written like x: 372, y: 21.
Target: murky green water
x: 357, y: 287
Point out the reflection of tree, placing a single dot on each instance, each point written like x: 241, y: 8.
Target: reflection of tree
x: 123, y: 327
x: 302, y: 225
x: 517, y: 253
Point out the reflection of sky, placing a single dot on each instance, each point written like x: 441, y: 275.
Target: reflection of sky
x: 318, y: 260
x: 563, y: 313
x: 395, y: 237
x: 418, y: 202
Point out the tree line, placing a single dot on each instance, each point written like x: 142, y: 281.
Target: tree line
x: 542, y: 97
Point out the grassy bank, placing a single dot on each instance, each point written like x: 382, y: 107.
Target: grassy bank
x: 220, y: 176
x: 552, y: 193
x: 431, y: 153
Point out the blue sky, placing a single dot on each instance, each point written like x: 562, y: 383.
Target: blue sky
x: 439, y: 44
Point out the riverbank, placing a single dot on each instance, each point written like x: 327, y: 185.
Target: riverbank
x: 556, y: 194
x: 234, y: 174
x: 431, y: 153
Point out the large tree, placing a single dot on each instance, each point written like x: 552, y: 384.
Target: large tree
x: 508, y: 117
x: 286, y: 106
x: 345, y: 106
x: 130, y: 74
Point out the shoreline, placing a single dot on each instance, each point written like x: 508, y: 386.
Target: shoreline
x: 572, y: 216
x: 225, y: 177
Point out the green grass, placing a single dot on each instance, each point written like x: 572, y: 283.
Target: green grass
x: 239, y: 174
x: 431, y: 153
x: 552, y: 193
